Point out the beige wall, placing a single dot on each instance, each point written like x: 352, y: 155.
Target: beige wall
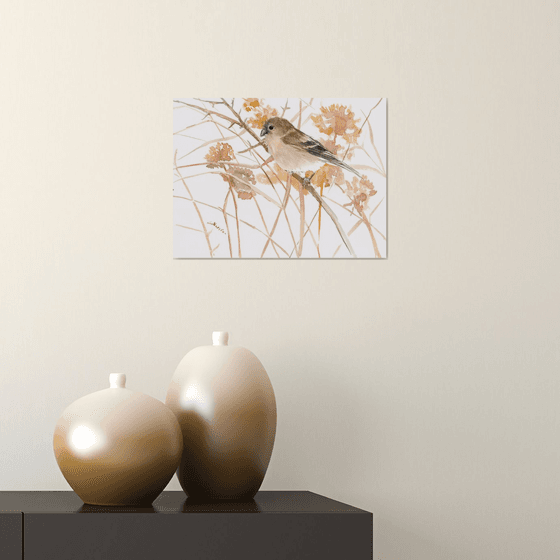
x: 424, y: 388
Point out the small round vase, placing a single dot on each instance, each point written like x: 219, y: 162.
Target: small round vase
x: 225, y: 405
x: 117, y: 447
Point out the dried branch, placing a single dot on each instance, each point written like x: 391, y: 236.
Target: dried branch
x: 284, y: 204
x: 329, y: 211
x: 283, y: 208
x: 242, y: 123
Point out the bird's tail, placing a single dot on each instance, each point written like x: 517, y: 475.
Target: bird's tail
x: 348, y: 168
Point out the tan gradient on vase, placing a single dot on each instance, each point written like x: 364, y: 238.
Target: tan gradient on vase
x: 225, y: 404
x: 117, y: 447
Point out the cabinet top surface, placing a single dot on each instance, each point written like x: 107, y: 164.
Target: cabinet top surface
x: 285, y: 501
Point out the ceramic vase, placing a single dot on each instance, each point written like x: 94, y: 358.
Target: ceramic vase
x: 117, y: 446
x: 225, y: 405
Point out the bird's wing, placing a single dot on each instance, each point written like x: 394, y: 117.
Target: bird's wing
x: 302, y: 141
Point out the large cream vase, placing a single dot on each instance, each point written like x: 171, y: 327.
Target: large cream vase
x: 225, y: 405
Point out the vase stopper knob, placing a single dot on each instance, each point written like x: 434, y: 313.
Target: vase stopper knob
x: 117, y: 380
x: 220, y: 338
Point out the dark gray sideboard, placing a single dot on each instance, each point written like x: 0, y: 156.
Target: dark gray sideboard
x: 276, y: 525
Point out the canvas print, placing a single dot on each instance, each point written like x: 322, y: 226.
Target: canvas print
x: 283, y: 178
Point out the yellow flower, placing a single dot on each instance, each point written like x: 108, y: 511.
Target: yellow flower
x: 261, y: 113
x: 360, y: 191
x: 240, y: 179
x: 278, y: 176
x: 327, y: 175
x: 245, y: 195
x: 338, y: 120
x: 331, y: 146
x: 250, y: 103
x: 220, y: 152
x: 324, y: 177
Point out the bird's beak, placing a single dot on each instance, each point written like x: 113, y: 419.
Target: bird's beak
x: 263, y: 130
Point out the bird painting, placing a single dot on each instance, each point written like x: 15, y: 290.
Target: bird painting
x: 243, y: 169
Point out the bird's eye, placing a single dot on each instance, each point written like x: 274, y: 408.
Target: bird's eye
x: 270, y: 127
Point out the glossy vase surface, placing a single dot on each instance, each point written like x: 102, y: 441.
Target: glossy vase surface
x: 225, y: 405
x: 117, y: 446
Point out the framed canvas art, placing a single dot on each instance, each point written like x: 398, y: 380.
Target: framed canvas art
x: 283, y: 178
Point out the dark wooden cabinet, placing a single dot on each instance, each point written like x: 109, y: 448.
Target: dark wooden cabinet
x: 274, y: 526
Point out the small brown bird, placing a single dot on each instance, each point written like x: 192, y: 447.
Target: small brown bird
x: 293, y: 150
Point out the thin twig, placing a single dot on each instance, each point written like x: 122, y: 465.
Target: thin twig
x: 237, y: 222
x: 364, y: 166
x: 209, y: 101
x: 227, y: 223
x: 249, y: 149
x: 368, y: 225
x: 301, y: 219
x: 350, y: 232
x: 207, y: 111
x: 218, y: 209
x: 376, y: 151
x: 297, y: 207
x: 206, y: 234
x: 232, y: 163
x: 191, y: 228
x: 205, y: 144
x: 378, y: 205
x: 264, y: 223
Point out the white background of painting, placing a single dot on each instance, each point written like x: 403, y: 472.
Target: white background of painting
x: 424, y: 387
x: 212, y: 189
